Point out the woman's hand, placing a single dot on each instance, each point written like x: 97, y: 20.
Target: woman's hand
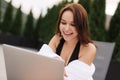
x: 65, y: 74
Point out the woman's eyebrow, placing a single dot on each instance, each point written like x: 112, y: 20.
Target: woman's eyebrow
x: 62, y: 20
x: 65, y: 20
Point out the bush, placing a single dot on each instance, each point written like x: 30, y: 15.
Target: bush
x: 48, y: 23
x: 17, y: 24
x: 8, y: 17
x: 97, y: 20
x: 29, y: 27
x: 113, y: 34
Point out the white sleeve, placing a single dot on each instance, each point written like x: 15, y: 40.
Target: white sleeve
x: 45, y: 50
x: 78, y: 70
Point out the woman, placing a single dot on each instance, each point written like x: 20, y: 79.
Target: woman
x: 72, y: 33
x: 72, y: 40
x: 72, y: 43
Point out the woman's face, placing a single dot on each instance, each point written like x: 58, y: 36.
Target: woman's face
x: 67, y: 26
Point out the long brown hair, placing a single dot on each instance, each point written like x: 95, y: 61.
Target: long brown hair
x: 80, y: 21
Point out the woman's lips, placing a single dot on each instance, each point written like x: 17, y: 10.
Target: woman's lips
x: 67, y: 34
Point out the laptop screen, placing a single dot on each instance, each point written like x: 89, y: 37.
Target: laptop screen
x: 23, y: 64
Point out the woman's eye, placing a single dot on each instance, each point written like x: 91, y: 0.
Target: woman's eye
x: 72, y: 24
x: 63, y: 23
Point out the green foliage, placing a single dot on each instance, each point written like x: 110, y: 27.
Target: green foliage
x: 97, y: 20
x: 6, y: 24
x: 29, y: 27
x: 113, y: 34
x: 116, y: 54
x: 0, y: 19
x: 114, y: 28
x: 38, y: 27
x: 0, y: 15
x: 85, y: 4
x: 17, y: 24
x: 0, y: 12
x: 48, y: 23
x: 0, y: 26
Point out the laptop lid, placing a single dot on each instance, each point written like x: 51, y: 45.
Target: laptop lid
x: 3, y: 75
x: 23, y: 64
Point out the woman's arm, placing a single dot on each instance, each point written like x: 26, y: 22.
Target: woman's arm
x: 87, y: 53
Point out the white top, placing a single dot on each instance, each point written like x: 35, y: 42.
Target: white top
x: 76, y: 70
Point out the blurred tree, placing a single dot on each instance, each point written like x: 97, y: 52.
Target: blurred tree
x: 116, y: 54
x: 114, y: 28
x: 0, y: 26
x: 29, y: 26
x: 17, y: 23
x: 6, y: 24
x: 0, y: 12
x: 85, y: 4
x: 97, y: 20
x: 48, y: 23
x: 113, y: 34
x: 38, y: 27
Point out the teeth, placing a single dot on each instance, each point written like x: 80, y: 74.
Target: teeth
x: 67, y: 34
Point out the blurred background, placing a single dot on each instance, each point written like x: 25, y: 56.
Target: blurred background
x: 31, y: 23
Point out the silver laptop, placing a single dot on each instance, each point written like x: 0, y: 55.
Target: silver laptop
x: 24, y: 64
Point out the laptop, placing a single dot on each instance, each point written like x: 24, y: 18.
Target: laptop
x: 24, y: 64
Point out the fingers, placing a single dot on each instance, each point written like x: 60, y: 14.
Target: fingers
x: 65, y: 74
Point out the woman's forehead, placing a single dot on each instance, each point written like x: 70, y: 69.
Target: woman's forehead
x: 67, y: 16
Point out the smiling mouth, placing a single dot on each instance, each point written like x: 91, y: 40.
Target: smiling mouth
x: 67, y: 34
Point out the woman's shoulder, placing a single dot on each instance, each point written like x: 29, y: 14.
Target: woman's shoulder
x: 89, y: 46
x: 89, y: 49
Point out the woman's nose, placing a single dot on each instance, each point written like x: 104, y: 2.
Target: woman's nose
x: 67, y: 27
